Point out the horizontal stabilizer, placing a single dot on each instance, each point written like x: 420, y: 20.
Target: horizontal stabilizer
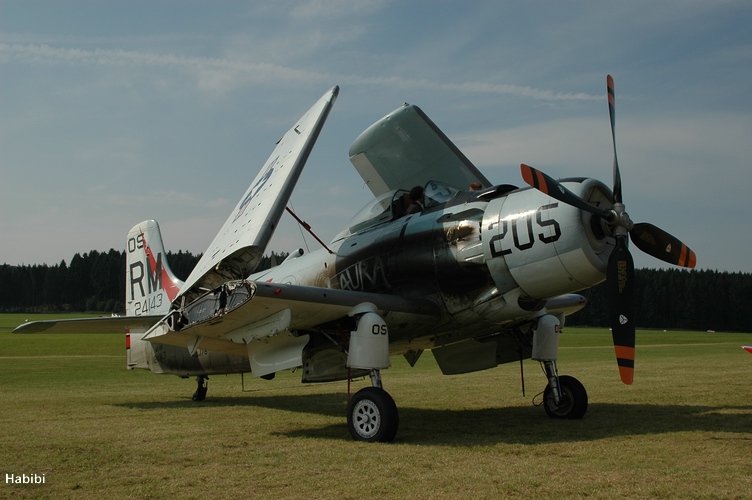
x: 114, y: 324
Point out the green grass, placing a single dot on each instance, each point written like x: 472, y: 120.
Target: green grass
x: 683, y: 430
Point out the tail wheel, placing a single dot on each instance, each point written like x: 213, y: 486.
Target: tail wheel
x: 573, y: 402
x: 372, y: 416
x: 203, y: 386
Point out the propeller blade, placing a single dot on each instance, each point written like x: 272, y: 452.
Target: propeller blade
x: 612, y: 115
x: 550, y: 186
x: 620, y: 268
x: 620, y: 293
x: 661, y: 245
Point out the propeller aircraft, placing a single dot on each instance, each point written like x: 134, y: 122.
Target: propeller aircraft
x: 480, y: 276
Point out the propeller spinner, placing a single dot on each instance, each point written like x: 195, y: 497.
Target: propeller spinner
x: 620, y: 269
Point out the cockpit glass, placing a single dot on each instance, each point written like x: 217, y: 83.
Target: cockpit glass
x: 437, y: 192
x: 373, y: 214
x: 393, y: 205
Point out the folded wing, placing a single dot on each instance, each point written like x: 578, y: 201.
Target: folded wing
x: 276, y: 307
x: 239, y: 245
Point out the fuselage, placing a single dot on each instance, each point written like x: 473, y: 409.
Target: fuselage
x: 492, y: 261
x: 487, y: 258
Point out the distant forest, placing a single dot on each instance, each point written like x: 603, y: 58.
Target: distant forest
x: 679, y: 299
x: 665, y: 299
x: 94, y: 281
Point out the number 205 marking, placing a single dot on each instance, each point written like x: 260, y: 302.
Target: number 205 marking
x: 528, y: 239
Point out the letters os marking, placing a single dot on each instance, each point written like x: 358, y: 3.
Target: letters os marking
x: 379, y: 329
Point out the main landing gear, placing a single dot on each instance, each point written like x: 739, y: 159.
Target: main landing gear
x: 203, y: 386
x: 372, y: 413
x: 564, y: 396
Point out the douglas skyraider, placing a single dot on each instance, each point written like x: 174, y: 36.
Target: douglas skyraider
x: 440, y: 259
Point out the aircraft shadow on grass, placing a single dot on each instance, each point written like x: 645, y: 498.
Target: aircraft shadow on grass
x: 521, y: 424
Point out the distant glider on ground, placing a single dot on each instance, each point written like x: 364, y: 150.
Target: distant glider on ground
x: 480, y: 276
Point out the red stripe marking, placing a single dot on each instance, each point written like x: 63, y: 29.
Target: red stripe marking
x: 687, y: 257
x: 542, y: 185
x: 527, y: 174
x: 610, y: 87
x: 624, y: 352
x: 692, y: 260
x: 167, y: 284
x: 627, y: 374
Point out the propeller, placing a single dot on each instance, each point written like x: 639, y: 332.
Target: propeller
x: 620, y: 269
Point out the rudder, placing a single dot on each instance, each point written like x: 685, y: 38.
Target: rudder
x: 150, y: 285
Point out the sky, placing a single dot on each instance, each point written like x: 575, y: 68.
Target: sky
x: 116, y: 112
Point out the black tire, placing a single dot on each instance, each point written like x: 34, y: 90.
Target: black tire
x: 574, y: 401
x: 372, y: 416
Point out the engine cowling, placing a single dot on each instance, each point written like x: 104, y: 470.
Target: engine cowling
x: 543, y: 246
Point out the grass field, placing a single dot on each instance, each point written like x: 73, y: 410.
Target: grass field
x: 73, y: 413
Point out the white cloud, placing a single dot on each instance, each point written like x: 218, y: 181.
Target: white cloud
x: 685, y: 156
x: 336, y: 8
x: 219, y: 75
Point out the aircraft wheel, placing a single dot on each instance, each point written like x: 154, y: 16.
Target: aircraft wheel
x: 372, y: 416
x: 574, y: 401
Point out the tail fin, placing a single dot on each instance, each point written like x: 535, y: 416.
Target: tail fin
x: 150, y: 286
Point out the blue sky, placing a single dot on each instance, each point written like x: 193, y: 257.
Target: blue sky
x: 116, y: 112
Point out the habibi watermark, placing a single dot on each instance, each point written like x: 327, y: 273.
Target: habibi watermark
x: 25, y: 479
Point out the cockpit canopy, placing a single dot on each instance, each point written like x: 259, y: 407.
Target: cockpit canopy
x: 436, y: 192
x: 393, y: 205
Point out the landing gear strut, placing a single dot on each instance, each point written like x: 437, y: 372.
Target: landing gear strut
x: 203, y: 383
x: 372, y: 413
x: 564, y: 396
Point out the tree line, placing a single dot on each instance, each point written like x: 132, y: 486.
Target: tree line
x: 665, y: 299
x: 679, y: 299
x: 93, y: 281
